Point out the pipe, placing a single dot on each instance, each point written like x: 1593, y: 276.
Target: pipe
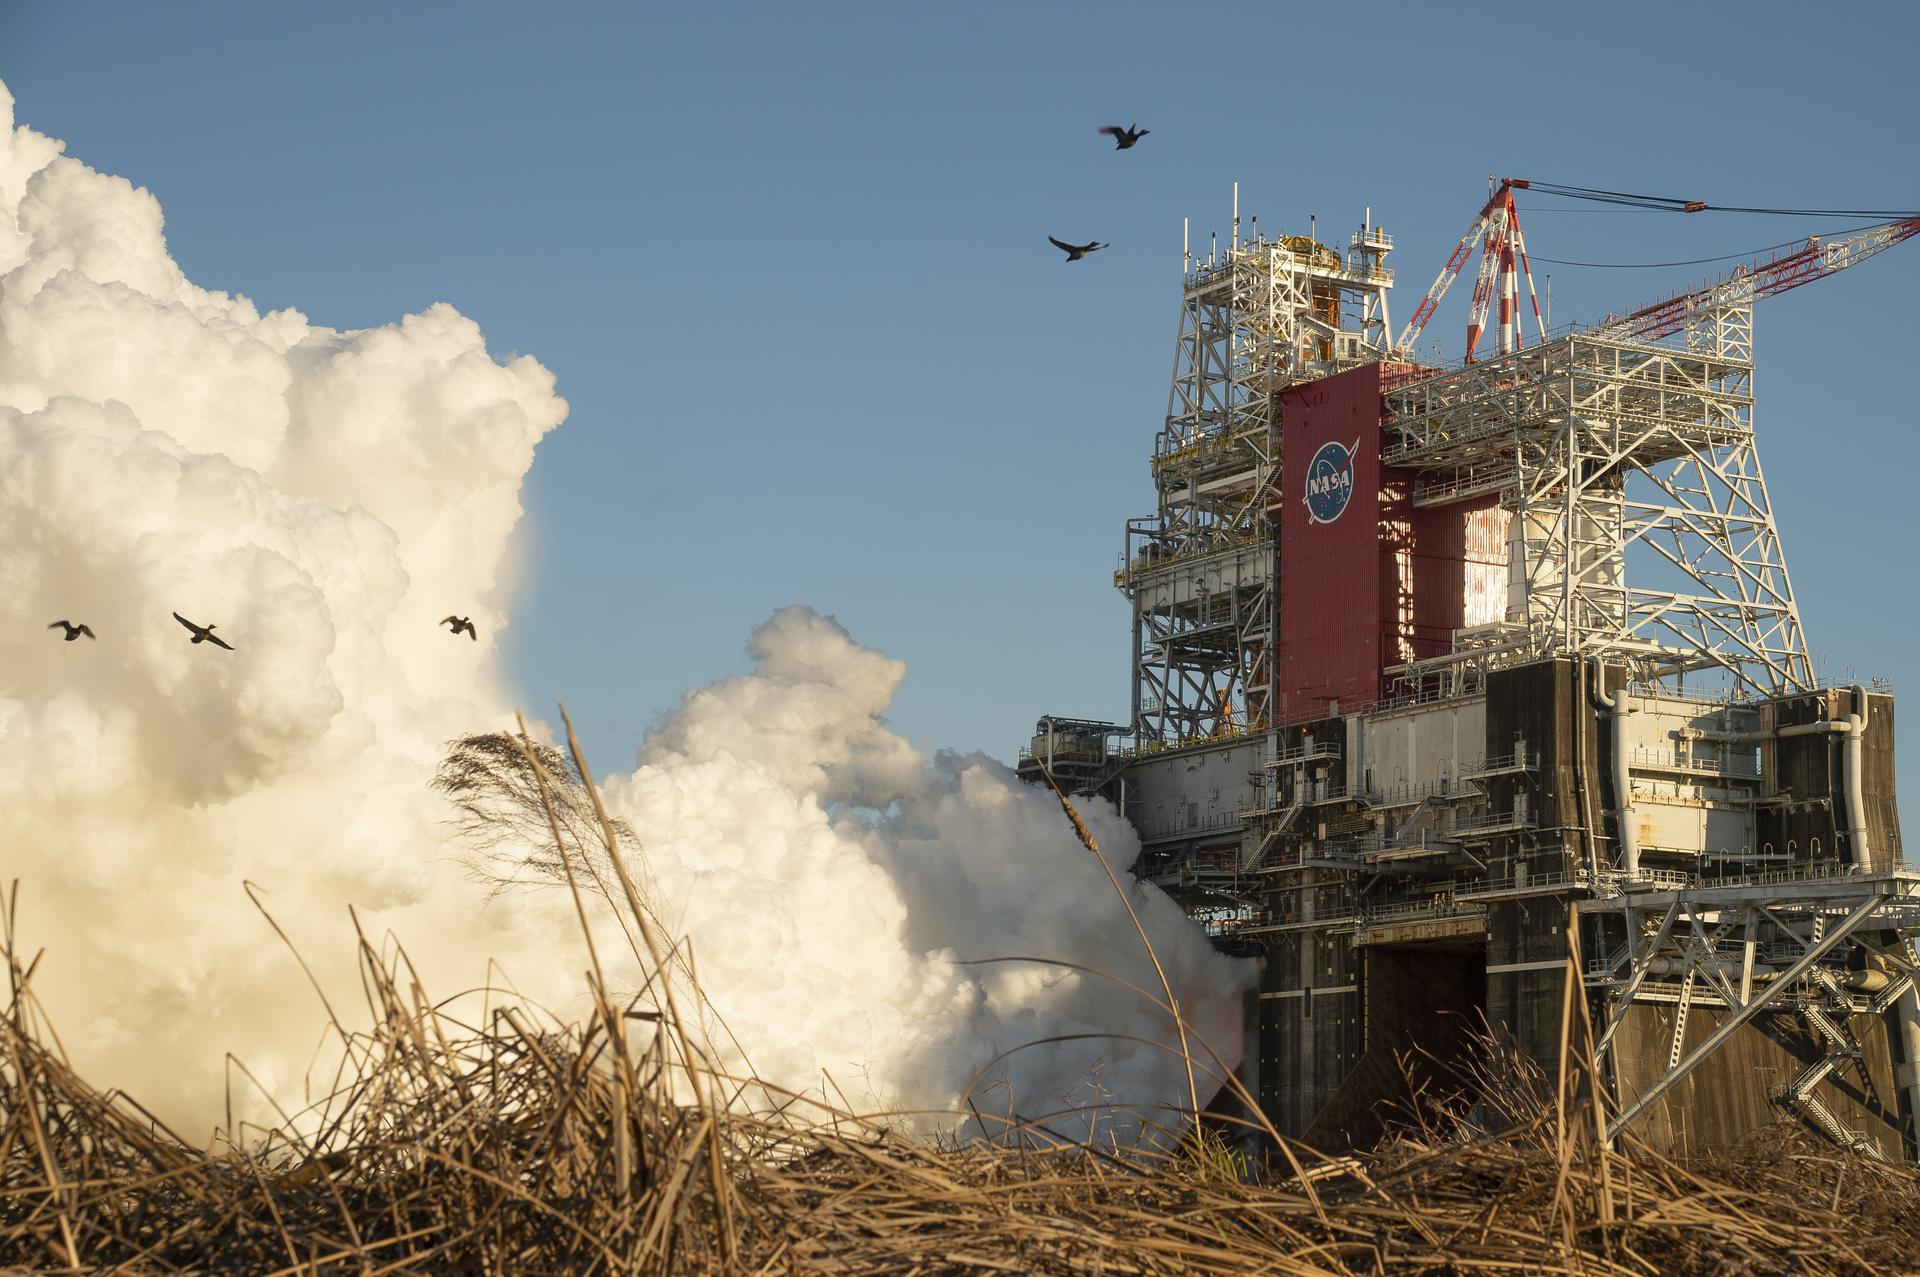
x: 1582, y: 789
x: 1906, y: 1015
x: 1863, y: 981
x: 1622, y: 781
x: 1836, y: 727
x: 1852, y: 764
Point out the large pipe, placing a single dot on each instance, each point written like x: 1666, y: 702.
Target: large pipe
x: 1852, y: 768
x: 1836, y: 727
x: 1622, y: 779
x: 1906, y: 1016
x: 1582, y: 788
x: 1852, y: 765
x: 1863, y: 981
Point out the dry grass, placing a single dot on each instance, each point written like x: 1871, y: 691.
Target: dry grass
x: 502, y: 1145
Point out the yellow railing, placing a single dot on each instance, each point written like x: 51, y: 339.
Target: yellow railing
x: 1200, y: 447
x: 1142, y: 564
x: 1192, y: 742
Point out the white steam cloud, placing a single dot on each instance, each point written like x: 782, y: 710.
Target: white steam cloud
x: 325, y: 497
x: 837, y: 885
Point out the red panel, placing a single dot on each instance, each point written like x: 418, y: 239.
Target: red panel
x: 1369, y: 582
x: 1333, y: 591
x: 1440, y: 588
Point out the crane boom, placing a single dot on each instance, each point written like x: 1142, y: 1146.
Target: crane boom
x: 1813, y: 260
x: 1448, y: 273
x: 1496, y: 229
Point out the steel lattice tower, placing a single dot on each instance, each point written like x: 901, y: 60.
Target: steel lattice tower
x: 1200, y: 571
x: 1602, y: 442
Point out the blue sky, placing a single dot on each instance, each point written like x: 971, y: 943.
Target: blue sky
x: 789, y: 263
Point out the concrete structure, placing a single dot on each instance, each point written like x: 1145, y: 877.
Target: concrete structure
x: 1431, y: 664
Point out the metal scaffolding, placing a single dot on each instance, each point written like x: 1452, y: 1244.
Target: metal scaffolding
x: 1261, y: 316
x: 1603, y: 445
x: 1606, y: 733
x: 1823, y: 943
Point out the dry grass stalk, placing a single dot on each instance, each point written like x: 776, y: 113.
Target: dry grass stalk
x: 511, y: 1144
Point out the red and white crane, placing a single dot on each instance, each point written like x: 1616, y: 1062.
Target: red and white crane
x: 1815, y: 259
x: 1503, y: 263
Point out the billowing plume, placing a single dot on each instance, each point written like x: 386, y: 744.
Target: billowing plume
x: 325, y: 497
x: 846, y: 899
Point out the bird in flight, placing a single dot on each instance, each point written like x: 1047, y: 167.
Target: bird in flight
x: 203, y: 633
x: 460, y: 623
x: 1123, y: 139
x: 73, y: 631
x: 1075, y: 252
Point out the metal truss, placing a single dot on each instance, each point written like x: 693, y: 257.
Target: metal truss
x: 1822, y: 944
x: 1612, y: 452
x: 1200, y: 570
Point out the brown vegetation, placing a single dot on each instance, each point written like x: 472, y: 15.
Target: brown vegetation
x: 501, y: 1143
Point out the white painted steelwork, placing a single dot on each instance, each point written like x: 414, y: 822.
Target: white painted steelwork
x: 1617, y: 455
x: 1254, y: 319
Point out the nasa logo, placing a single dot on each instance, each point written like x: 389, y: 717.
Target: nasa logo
x: 1329, y: 482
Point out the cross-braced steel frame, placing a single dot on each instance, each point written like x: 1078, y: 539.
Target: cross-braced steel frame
x: 1601, y: 445
x: 1264, y: 315
x: 1822, y: 943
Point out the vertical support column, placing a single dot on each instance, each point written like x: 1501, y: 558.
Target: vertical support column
x: 1906, y: 1018
x: 1616, y: 706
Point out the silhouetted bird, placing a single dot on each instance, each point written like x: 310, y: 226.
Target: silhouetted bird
x: 1075, y: 252
x: 203, y: 633
x: 460, y: 623
x: 73, y: 631
x: 1125, y: 138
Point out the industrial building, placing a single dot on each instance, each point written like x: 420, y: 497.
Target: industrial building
x: 1431, y: 662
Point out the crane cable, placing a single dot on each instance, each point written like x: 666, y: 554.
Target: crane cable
x: 1703, y: 261
x: 1671, y: 204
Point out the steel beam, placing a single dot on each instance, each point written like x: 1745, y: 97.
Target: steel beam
x: 1739, y: 1017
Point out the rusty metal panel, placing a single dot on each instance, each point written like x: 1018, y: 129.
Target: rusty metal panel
x: 1484, y: 588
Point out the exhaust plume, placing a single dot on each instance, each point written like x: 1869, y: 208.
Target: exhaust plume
x: 325, y: 497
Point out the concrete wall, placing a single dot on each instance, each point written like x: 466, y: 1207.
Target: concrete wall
x: 1805, y: 774
x: 1726, y: 1097
x: 1413, y: 748
x: 1193, y: 790
x: 1311, y: 1030
x: 1422, y: 1008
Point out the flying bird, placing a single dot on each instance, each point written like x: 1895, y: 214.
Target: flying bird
x: 73, y: 631
x: 1075, y: 252
x: 203, y: 633
x: 460, y: 623
x: 1123, y: 139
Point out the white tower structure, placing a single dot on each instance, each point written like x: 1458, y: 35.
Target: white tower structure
x: 1254, y: 319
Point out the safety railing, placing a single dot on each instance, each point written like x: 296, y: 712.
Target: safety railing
x: 1684, y: 759
x: 1304, y: 752
x: 1212, y: 822
x: 1518, y: 760
x: 1472, y: 683
x: 1419, y: 910
x: 1493, y: 822
x: 1543, y: 884
x: 1406, y: 795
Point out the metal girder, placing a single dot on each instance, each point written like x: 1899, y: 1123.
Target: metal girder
x: 1619, y: 459
x: 1639, y: 969
x: 1253, y: 320
x: 1738, y: 1015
